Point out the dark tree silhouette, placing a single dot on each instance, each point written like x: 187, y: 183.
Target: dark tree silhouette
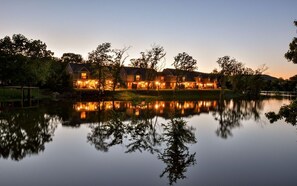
x: 150, y: 60
x: 242, y: 79
x: 100, y: 57
x: 183, y: 63
x: 72, y: 58
x: 116, y: 63
x: 291, y: 55
x: 24, y: 61
x: 289, y: 112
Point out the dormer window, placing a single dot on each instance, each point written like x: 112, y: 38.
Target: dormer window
x: 83, y: 75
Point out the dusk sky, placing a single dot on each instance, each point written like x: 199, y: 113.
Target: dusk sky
x: 254, y: 32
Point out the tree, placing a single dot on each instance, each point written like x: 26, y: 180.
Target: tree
x: 24, y: 61
x: 291, y: 55
x: 183, y: 63
x: 150, y: 60
x: 58, y: 79
x: 71, y: 58
x: 100, y: 57
x: 227, y: 65
x: 116, y: 63
x: 242, y: 79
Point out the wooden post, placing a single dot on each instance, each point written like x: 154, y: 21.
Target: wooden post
x: 22, y: 92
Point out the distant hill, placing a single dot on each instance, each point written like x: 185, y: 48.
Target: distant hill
x: 268, y: 78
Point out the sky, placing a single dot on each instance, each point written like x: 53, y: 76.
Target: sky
x: 255, y: 32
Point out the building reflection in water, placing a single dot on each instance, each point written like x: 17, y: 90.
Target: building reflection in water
x: 160, y: 108
x: 228, y: 113
x: 135, y: 126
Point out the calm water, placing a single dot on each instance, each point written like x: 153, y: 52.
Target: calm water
x: 159, y: 143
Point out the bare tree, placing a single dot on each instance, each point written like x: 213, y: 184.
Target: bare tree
x: 116, y: 63
x: 100, y: 57
x: 183, y: 63
x: 150, y: 60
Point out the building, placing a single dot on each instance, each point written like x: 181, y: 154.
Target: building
x: 83, y: 75
x: 189, y: 80
x: 139, y: 78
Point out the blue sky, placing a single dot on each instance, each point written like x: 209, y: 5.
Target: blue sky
x: 254, y: 32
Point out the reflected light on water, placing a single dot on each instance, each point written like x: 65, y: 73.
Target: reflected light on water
x: 157, y: 107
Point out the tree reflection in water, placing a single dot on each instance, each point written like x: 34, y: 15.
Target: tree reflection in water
x: 176, y: 154
x: 136, y: 127
x: 167, y: 141
x: 287, y: 112
x: 230, y: 113
x: 140, y: 132
x: 25, y: 132
x: 143, y: 134
x: 109, y: 133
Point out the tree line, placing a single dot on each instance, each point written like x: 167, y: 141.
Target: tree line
x: 28, y: 62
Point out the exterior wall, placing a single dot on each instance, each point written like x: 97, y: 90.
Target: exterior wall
x: 170, y: 82
x: 206, y: 83
x: 130, y: 78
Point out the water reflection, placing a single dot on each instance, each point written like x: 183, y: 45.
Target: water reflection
x: 230, y: 113
x: 141, y: 132
x: 287, y: 112
x: 134, y: 126
x: 107, y: 134
x: 157, y: 108
x: 25, y: 132
x: 167, y: 141
x: 176, y: 155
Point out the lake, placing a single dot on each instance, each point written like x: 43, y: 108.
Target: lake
x: 202, y: 142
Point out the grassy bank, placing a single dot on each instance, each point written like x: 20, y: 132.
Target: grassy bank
x: 13, y: 94
x: 132, y: 95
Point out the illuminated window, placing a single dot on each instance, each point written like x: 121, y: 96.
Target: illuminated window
x: 137, y: 77
x: 83, y: 115
x: 184, y: 78
x: 83, y: 75
x: 162, y: 78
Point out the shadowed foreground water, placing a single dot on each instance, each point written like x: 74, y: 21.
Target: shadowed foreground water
x: 156, y: 143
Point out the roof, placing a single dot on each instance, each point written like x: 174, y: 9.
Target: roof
x: 78, y: 67
x: 140, y: 71
x: 190, y: 75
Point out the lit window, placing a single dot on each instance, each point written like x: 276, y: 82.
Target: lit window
x: 137, y: 77
x: 83, y: 75
x: 184, y: 78
x: 162, y: 78
x: 83, y: 115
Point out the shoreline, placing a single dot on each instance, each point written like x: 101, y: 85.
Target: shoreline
x: 137, y: 95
